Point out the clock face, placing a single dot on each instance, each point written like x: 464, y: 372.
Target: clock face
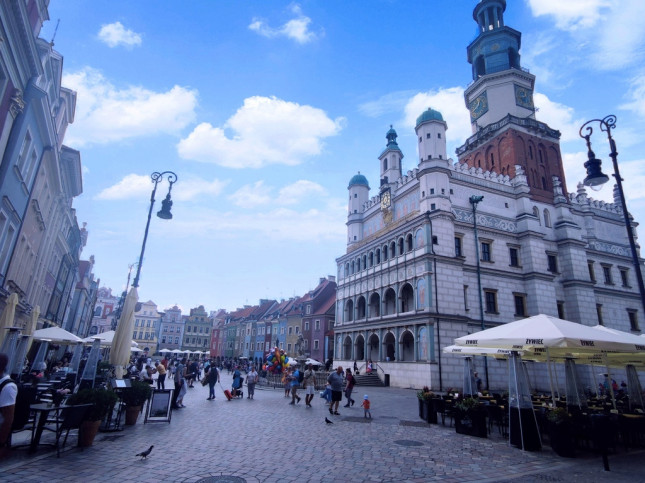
x: 478, y: 106
x: 523, y: 97
x: 386, y: 200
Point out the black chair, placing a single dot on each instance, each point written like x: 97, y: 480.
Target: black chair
x: 22, y: 417
x: 70, y: 418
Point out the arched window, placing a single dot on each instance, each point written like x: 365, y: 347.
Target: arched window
x: 375, y: 305
x: 385, y: 253
x: 385, y: 164
x: 393, y: 249
x: 547, y: 218
x: 378, y: 255
x: 364, y: 262
x: 349, y: 310
x: 371, y: 259
x: 400, y: 246
x: 407, y: 298
x: 360, y: 307
x: 409, y: 244
x: 353, y: 268
x: 536, y: 213
x: 419, y: 238
x: 347, y: 272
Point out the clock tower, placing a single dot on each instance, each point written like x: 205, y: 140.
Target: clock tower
x: 502, y: 115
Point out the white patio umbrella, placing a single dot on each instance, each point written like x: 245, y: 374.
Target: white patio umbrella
x: 7, y: 316
x: 313, y: 362
x: 544, y: 331
x: 56, y: 334
x: 164, y: 350
x: 122, y: 342
x: 175, y: 351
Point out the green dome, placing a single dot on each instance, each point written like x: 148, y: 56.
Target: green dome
x: 429, y: 115
x: 358, y: 179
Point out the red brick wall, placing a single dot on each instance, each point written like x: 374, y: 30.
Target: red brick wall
x: 540, y: 158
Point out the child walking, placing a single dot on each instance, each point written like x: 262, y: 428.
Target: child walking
x: 366, y: 407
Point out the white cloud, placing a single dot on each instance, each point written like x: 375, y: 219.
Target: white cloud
x: 611, y: 32
x: 258, y: 194
x: 265, y: 131
x: 134, y: 186
x: 296, y: 29
x: 388, y: 103
x: 115, y: 34
x: 251, y: 196
x: 636, y: 96
x: 326, y: 223
x: 558, y: 116
x: 107, y: 114
x: 450, y: 103
x: 571, y: 14
x: 296, y: 192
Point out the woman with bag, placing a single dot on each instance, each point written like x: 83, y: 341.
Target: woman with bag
x: 350, y: 387
x: 212, y: 377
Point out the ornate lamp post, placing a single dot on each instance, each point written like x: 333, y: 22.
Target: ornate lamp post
x: 474, y: 200
x: 596, y: 178
x: 164, y: 213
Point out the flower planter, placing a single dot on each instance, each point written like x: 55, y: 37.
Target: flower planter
x: 87, y: 433
x: 471, y: 423
x: 561, y: 439
x: 431, y: 416
x: 132, y: 414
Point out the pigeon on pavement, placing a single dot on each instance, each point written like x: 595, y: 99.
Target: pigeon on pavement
x: 328, y: 421
x: 144, y: 454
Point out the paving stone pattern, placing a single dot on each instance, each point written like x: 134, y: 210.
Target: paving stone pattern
x: 268, y: 440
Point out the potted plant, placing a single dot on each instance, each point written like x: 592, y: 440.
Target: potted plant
x: 134, y: 397
x: 561, y: 432
x: 103, y: 400
x: 470, y: 418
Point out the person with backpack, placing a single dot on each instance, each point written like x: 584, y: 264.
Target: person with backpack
x: 349, y: 388
x: 212, y: 376
x: 295, y: 382
x: 8, y: 394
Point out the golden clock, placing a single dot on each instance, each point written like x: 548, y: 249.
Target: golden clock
x: 386, y: 200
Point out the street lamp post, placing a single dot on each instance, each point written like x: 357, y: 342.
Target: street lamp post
x: 474, y: 199
x: 164, y: 213
x: 596, y: 178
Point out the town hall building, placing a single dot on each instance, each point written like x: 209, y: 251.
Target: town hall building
x: 411, y: 278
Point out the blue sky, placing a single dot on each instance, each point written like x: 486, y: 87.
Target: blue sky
x: 265, y: 110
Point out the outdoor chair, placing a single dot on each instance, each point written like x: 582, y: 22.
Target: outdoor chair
x: 70, y: 418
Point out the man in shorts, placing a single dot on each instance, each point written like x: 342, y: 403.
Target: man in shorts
x: 335, y: 379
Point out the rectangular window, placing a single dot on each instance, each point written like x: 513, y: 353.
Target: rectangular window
x: 266, y: 346
x: 289, y: 348
x: 633, y: 319
x: 163, y: 339
x: 176, y: 340
x: 520, y: 304
x: 624, y: 276
x: 606, y: 273
x: 560, y: 306
x: 306, y: 325
x: 458, y: 249
x: 140, y: 335
x: 134, y: 334
x: 290, y: 330
x: 514, y: 255
x: 282, y: 330
x: 188, y: 329
x: 316, y: 344
x: 317, y: 324
x: 297, y: 329
x: 552, y: 263
x: 490, y: 297
x: 486, y: 252
x: 592, y: 272
x: 466, y: 298
x: 599, y: 314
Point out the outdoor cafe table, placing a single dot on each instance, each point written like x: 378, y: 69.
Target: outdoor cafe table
x: 42, y: 411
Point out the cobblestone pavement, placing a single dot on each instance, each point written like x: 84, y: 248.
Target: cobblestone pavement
x: 268, y: 440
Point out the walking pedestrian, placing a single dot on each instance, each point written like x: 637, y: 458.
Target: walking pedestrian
x: 366, y: 407
x: 335, y: 379
x: 212, y: 376
x: 349, y: 388
x: 251, y: 380
x: 161, y: 377
x: 309, y: 385
x: 295, y: 375
x: 180, y: 368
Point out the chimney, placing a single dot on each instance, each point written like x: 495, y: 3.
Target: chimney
x: 331, y: 278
